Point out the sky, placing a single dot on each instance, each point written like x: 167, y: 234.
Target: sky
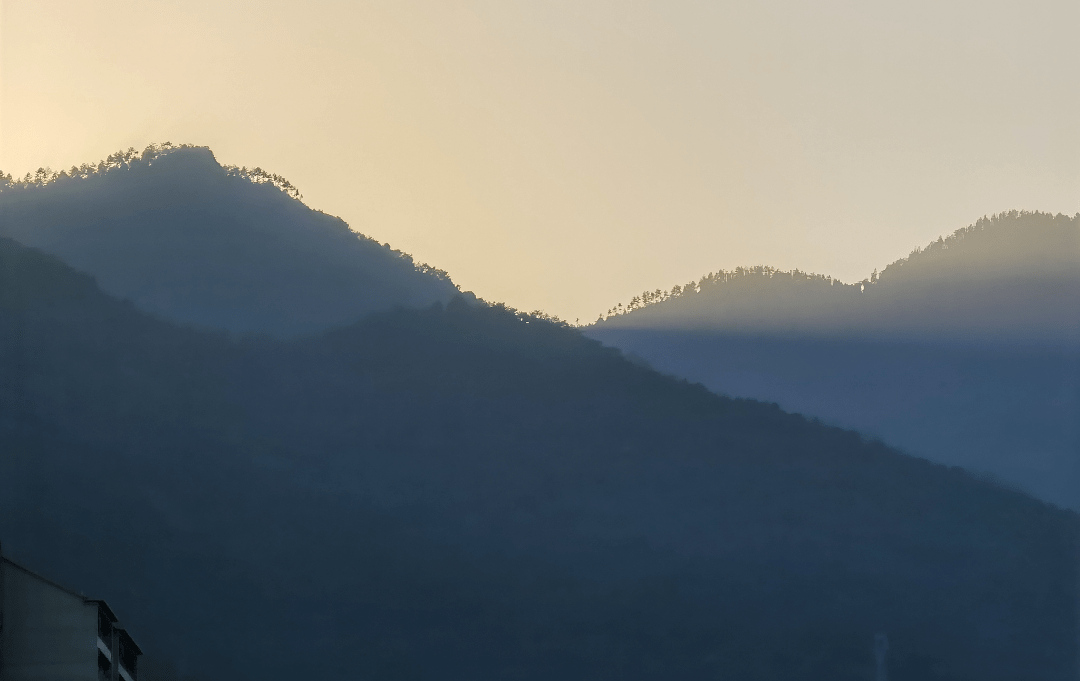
x: 564, y: 156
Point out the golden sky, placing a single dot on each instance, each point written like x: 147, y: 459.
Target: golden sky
x: 564, y: 156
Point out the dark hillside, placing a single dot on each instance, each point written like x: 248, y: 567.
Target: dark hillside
x: 217, y: 247
x: 966, y: 352
x: 466, y: 492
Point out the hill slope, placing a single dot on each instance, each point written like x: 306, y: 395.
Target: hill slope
x: 965, y: 353
x: 466, y: 492
x: 220, y: 248
x: 1013, y: 278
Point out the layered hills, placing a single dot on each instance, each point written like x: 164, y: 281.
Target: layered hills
x: 217, y: 247
x: 464, y: 491
x: 965, y: 352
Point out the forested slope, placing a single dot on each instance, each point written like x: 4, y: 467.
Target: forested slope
x: 1012, y: 278
x: 965, y: 352
x: 467, y: 492
x: 217, y: 247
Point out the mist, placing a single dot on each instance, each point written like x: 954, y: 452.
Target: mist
x: 965, y: 352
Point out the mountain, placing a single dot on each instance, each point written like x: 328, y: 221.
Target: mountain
x: 967, y: 352
x: 464, y: 491
x: 216, y: 247
x: 1013, y: 278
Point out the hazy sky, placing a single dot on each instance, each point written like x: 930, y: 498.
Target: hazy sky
x: 567, y: 155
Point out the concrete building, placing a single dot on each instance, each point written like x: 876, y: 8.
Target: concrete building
x: 50, y: 633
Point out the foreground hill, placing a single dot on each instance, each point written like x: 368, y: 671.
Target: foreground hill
x: 218, y: 247
x: 967, y: 352
x: 466, y: 492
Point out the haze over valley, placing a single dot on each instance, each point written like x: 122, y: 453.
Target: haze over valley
x: 965, y: 352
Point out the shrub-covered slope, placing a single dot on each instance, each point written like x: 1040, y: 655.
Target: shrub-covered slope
x: 221, y: 248
x: 466, y: 492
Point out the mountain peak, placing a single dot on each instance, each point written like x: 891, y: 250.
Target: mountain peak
x: 220, y: 247
x: 1011, y: 277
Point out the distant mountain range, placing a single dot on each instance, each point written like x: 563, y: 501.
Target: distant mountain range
x: 966, y: 352
x: 462, y: 491
x: 216, y: 247
x: 1013, y: 278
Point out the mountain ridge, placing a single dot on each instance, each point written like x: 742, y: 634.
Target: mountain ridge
x: 1012, y: 277
x: 964, y: 353
x: 466, y: 491
x: 217, y: 247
